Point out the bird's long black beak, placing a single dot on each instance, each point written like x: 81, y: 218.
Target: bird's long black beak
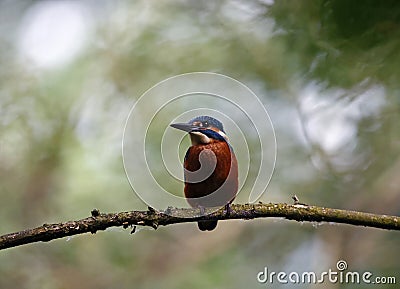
x: 184, y: 126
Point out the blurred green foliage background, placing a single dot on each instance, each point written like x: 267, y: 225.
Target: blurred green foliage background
x: 327, y: 70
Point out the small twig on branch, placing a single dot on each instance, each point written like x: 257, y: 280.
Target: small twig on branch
x: 153, y: 218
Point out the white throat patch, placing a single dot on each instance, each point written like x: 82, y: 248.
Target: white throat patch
x: 197, y: 137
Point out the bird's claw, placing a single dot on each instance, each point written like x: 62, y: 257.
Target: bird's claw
x: 227, y: 209
x: 202, y: 210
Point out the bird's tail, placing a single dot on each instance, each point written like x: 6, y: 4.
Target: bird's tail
x: 207, y: 225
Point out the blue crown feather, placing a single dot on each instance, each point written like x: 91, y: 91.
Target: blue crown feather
x: 210, y: 120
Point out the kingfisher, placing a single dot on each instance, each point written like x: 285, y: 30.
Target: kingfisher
x: 210, y: 167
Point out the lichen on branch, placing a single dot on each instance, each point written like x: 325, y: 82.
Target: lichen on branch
x: 101, y: 221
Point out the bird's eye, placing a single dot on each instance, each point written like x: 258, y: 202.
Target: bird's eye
x: 205, y: 123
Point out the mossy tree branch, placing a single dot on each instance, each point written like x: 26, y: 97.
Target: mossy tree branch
x: 152, y: 218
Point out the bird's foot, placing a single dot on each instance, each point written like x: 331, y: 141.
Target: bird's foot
x: 202, y: 210
x: 228, y: 209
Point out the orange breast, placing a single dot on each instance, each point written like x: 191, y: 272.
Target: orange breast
x: 219, y: 185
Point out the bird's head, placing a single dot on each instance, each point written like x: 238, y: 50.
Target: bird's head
x: 203, y: 130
